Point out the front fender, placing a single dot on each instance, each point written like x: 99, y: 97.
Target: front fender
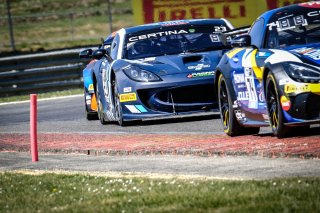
x: 224, y: 68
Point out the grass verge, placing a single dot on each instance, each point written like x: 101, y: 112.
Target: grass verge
x: 42, y: 95
x: 84, y: 193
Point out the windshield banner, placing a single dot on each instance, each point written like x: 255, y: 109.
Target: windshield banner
x: 238, y: 12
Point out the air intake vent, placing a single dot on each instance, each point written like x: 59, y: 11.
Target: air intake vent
x: 190, y: 59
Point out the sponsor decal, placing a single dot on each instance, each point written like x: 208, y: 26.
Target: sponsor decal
x: 200, y: 74
x: 128, y: 97
x: 157, y: 35
x: 283, y: 81
x: 287, y: 23
x: 243, y: 96
x: 199, y: 67
x: 264, y: 54
x: 292, y: 88
x: 261, y: 96
x: 141, y: 108
x: 252, y: 93
x: 241, y: 85
x: 90, y: 87
x: 238, y: 78
x: 173, y: 23
x: 314, y: 13
x: 315, y: 4
x: 309, y: 52
x: 132, y: 109
x: 127, y: 89
x: 285, y: 103
x: 235, y: 104
x: 136, y: 108
x: 240, y: 115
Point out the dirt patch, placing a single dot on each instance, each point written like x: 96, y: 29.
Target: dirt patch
x: 175, y: 144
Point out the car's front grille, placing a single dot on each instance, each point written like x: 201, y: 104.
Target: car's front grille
x: 306, y: 106
x: 179, y: 99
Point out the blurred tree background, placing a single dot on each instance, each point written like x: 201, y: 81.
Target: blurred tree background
x: 45, y: 24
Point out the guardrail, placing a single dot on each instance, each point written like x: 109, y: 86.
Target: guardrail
x: 34, y: 73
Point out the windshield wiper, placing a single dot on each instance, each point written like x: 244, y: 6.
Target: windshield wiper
x: 206, y: 49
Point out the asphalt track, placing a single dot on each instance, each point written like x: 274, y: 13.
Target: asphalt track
x: 186, y: 146
x: 67, y: 115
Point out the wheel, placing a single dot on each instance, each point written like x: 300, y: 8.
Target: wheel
x: 100, y: 108
x: 117, y: 104
x: 274, y: 108
x: 230, y: 124
x: 91, y: 116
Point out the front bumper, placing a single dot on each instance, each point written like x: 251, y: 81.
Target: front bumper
x: 175, y: 95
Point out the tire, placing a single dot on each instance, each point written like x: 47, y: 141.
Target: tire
x: 117, y: 105
x: 229, y: 122
x: 274, y: 108
x: 100, y: 110
x: 91, y: 116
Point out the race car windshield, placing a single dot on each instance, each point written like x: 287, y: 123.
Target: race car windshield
x: 180, y: 41
x: 294, y: 30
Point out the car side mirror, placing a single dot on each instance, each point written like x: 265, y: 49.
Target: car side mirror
x: 99, y: 53
x: 86, y: 53
x: 241, y: 41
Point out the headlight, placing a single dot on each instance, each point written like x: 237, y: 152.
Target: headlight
x: 302, y: 73
x: 137, y: 74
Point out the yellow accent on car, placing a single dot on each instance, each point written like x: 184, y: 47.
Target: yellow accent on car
x: 257, y: 70
x: 233, y: 52
x: 300, y: 88
x: 128, y: 97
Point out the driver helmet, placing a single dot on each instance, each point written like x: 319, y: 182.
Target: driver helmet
x: 142, y: 47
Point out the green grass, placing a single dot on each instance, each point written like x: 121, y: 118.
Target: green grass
x: 48, y: 24
x: 42, y: 95
x: 83, y: 193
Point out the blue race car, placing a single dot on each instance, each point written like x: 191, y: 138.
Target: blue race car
x: 88, y: 73
x: 159, y: 69
x: 272, y: 75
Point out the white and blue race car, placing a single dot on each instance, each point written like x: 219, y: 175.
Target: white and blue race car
x: 156, y: 70
x: 272, y: 76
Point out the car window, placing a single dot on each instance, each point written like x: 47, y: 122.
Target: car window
x: 303, y: 34
x: 256, y: 33
x: 114, y: 47
x: 175, y: 41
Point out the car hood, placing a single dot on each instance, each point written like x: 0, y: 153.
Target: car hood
x: 181, y: 63
x: 307, y: 53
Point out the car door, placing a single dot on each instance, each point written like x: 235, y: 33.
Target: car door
x: 247, y: 76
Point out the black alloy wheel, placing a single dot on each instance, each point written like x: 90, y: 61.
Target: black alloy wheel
x: 274, y: 108
x: 230, y: 124
x: 100, y: 107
